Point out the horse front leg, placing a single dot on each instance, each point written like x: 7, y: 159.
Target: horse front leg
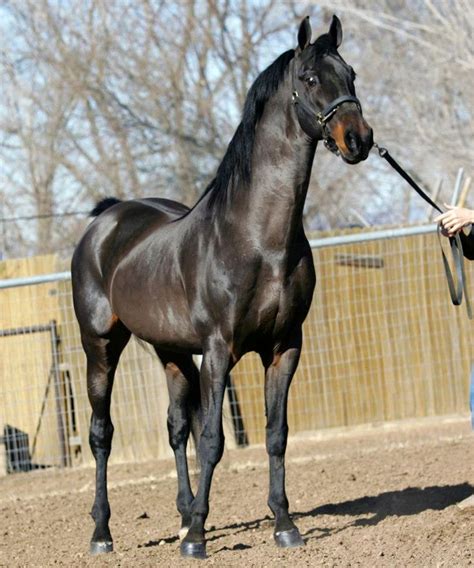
x: 214, y: 370
x: 280, y: 368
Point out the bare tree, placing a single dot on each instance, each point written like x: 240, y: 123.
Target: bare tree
x: 151, y: 95
x: 140, y: 97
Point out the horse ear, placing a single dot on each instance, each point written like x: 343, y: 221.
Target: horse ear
x: 335, y: 31
x: 304, y: 34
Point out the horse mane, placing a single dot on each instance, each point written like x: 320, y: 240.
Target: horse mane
x: 236, y: 165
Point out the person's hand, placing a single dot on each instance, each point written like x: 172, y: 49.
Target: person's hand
x: 454, y: 219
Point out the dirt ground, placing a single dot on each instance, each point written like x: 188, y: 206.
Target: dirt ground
x: 382, y: 496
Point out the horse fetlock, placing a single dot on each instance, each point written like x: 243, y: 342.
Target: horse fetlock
x: 196, y: 532
x: 101, y: 533
x: 183, y: 532
x: 101, y: 513
x: 279, y: 505
x: 184, y: 508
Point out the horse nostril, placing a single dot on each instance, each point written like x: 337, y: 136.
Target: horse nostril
x: 353, y: 141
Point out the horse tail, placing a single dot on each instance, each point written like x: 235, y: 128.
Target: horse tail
x: 104, y: 204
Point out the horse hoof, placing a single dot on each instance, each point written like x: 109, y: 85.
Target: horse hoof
x: 101, y: 547
x: 183, y: 531
x: 288, y: 539
x: 193, y: 550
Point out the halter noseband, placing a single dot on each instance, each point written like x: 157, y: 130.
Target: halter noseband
x: 324, y: 116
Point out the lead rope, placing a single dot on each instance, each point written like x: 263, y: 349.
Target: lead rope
x: 457, y: 288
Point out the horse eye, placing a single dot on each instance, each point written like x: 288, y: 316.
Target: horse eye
x: 312, y: 81
x: 353, y: 75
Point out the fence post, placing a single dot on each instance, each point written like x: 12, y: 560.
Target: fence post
x: 57, y: 392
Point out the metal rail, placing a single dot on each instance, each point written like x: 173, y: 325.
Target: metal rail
x: 373, y: 236
x: 314, y: 243
x: 32, y: 280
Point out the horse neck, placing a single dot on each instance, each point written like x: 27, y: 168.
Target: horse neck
x: 270, y: 210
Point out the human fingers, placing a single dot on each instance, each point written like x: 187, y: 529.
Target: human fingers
x: 442, y: 217
x: 454, y: 227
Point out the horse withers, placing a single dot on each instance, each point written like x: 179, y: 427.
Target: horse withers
x: 231, y: 275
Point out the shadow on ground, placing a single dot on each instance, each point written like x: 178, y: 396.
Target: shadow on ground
x: 409, y: 501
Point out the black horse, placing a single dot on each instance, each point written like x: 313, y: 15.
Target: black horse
x: 231, y: 275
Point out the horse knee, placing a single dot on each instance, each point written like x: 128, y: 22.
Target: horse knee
x: 100, y: 435
x: 178, y: 429
x: 276, y: 441
x: 211, y: 447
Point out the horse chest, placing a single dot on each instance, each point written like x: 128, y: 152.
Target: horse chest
x: 281, y: 302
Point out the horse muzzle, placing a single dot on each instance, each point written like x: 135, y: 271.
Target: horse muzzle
x: 352, y: 137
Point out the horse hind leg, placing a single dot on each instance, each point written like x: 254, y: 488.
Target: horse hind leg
x: 184, y: 416
x: 103, y: 353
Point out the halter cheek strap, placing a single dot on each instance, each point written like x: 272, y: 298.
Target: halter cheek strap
x: 308, y: 116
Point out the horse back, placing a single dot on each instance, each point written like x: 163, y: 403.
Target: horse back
x: 118, y: 229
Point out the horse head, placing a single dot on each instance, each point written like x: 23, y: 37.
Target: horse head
x: 324, y: 95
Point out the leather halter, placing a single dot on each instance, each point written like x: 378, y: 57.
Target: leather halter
x: 324, y: 116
